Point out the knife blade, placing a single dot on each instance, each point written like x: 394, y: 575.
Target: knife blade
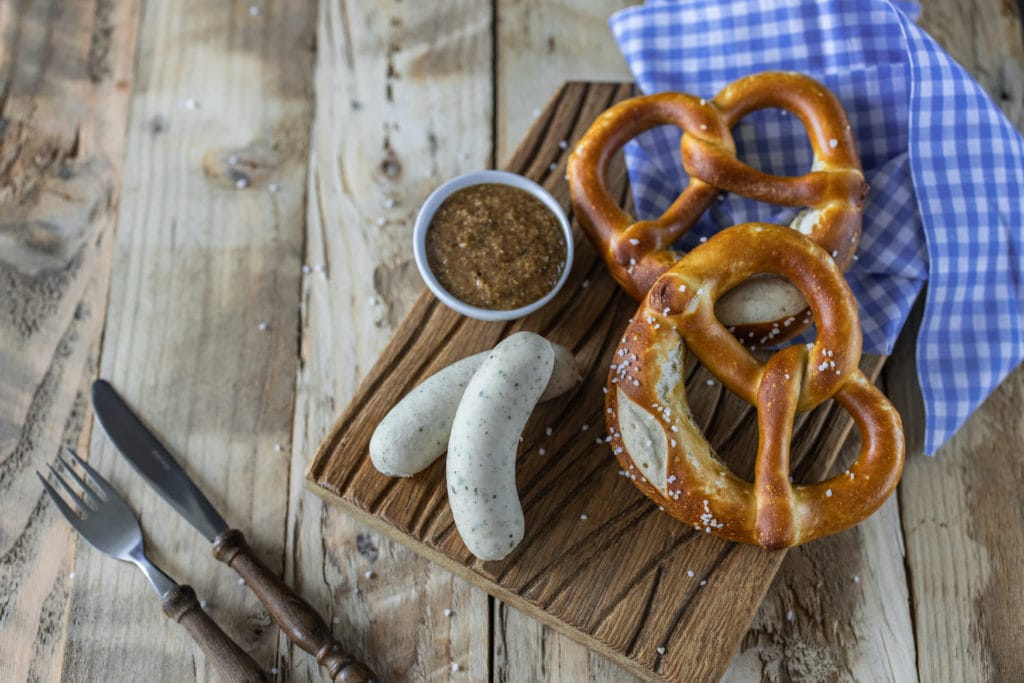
x: 148, y: 456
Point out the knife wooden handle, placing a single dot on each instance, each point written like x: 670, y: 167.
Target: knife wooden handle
x: 181, y: 605
x: 297, y: 619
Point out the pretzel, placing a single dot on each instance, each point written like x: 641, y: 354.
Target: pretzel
x: 662, y: 449
x: 638, y: 252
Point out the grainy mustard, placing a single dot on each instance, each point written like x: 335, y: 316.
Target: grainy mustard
x: 495, y: 246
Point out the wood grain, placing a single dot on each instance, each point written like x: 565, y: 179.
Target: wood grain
x: 200, y: 335
x: 643, y: 619
x: 403, y: 102
x: 541, y: 44
x: 65, y: 82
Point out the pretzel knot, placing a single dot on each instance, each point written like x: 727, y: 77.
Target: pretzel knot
x: 663, y: 450
x: 638, y: 252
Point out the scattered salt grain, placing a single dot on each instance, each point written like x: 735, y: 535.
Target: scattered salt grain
x: 583, y: 516
x: 261, y: 327
x: 541, y: 451
x: 828, y: 493
x: 335, y: 620
x: 369, y: 574
x: 455, y: 666
x: 789, y: 615
x: 584, y: 428
x: 833, y: 143
x: 563, y: 144
x: 856, y: 579
x: 586, y: 283
x: 689, y: 572
x: 660, y: 650
x: 254, y: 11
x: 306, y: 268
x: 241, y: 183
x: 447, y: 612
x: 202, y: 603
x: 192, y: 103
x: 278, y: 448
x: 273, y: 187
x: 241, y: 582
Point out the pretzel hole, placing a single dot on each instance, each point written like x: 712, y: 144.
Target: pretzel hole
x: 774, y: 141
x: 762, y: 298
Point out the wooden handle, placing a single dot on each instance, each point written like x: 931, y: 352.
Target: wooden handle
x: 297, y: 619
x: 181, y: 605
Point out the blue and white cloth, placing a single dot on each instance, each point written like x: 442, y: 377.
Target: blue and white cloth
x: 946, y: 169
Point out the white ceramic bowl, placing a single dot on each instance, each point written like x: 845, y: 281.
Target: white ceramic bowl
x: 434, y: 201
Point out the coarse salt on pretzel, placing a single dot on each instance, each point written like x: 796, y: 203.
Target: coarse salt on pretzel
x: 765, y: 309
x: 663, y: 450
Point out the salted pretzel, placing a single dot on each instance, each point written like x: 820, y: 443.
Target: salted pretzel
x: 764, y: 309
x: 664, y: 452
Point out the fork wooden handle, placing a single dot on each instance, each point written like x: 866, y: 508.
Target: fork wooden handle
x: 297, y: 619
x: 181, y: 605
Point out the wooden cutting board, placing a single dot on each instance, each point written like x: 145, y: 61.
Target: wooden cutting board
x: 650, y: 593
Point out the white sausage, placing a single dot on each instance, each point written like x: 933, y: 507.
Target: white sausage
x: 415, y: 432
x: 484, y: 440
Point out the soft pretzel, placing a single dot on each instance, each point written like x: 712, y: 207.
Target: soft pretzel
x: 664, y: 452
x: 638, y: 252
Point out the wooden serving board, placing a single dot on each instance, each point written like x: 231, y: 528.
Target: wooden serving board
x: 648, y: 592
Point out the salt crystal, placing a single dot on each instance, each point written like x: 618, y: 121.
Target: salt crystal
x: 661, y: 650
x: 273, y: 187
x: 447, y: 612
x: 369, y: 574
x: 583, y: 517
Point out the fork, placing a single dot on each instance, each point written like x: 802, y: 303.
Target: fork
x: 104, y: 519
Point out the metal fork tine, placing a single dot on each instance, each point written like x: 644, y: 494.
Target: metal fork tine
x: 107, y: 489
x: 65, y: 509
x: 72, y: 493
x: 93, y: 497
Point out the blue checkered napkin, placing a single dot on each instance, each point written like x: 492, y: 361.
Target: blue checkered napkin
x: 945, y: 169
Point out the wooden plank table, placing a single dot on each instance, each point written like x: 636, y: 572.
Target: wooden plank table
x: 209, y: 203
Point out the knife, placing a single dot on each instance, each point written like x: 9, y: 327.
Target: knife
x: 293, y: 615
